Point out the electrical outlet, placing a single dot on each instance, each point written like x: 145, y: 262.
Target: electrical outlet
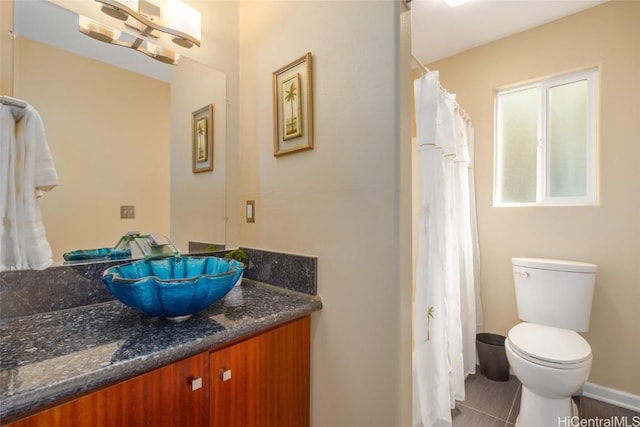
x: 127, y: 212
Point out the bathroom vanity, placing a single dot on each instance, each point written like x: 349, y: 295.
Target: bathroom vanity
x: 243, y: 361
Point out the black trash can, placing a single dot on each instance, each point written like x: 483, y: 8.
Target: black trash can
x: 493, y: 360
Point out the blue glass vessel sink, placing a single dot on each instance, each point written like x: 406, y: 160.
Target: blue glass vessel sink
x: 174, y: 287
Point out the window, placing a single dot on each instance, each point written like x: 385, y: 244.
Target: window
x: 545, y: 142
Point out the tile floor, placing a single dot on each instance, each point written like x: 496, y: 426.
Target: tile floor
x: 496, y: 404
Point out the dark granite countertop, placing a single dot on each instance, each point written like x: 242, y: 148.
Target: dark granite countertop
x: 49, y: 356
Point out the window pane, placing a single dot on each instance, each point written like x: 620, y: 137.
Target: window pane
x: 567, y: 143
x: 518, y: 136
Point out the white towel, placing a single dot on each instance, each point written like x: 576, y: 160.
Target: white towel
x: 26, y: 171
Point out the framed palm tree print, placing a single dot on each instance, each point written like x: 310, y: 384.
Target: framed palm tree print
x: 293, y: 107
x: 202, y: 139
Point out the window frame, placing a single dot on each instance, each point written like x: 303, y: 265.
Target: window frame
x: 543, y: 170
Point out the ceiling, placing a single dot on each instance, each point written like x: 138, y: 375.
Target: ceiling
x: 439, y: 31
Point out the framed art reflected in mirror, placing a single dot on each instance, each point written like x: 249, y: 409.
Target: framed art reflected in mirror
x: 202, y: 139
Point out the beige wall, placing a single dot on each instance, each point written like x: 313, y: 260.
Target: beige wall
x: 109, y: 137
x: 341, y: 200
x: 197, y: 199
x: 609, y: 234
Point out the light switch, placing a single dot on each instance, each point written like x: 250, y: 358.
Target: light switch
x: 251, y: 211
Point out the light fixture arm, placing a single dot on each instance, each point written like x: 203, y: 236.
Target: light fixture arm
x: 181, y: 38
x: 109, y: 35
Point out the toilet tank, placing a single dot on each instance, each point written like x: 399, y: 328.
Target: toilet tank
x: 554, y: 292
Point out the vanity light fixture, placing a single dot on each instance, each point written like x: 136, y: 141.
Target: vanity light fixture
x: 97, y: 30
x: 148, y: 18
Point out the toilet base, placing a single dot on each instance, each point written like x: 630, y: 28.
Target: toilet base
x: 539, y: 411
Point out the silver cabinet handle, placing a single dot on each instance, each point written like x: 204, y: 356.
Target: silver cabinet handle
x: 224, y: 374
x: 196, y: 383
x: 522, y: 274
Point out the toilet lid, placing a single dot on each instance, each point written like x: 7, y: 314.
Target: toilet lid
x: 549, y: 346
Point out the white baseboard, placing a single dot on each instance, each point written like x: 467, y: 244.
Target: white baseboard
x: 612, y: 396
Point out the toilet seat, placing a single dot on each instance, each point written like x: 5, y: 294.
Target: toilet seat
x: 549, y: 346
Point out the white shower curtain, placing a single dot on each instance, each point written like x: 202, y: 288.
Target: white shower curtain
x: 447, y: 310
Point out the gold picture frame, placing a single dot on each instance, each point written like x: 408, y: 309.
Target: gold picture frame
x: 293, y: 107
x: 202, y: 139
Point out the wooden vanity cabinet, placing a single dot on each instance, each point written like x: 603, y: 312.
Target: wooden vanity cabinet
x: 164, y: 397
x: 262, y: 381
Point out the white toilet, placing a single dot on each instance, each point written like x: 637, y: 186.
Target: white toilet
x: 549, y: 357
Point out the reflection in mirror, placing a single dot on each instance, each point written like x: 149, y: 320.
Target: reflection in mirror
x: 118, y: 137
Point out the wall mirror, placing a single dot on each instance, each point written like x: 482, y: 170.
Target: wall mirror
x: 119, y: 128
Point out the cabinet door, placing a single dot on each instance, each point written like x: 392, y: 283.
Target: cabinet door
x: 160, y: 398
x: 263, y: 381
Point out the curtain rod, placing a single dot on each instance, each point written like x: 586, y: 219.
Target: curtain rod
x: 426, y: 70
x: 419, y: 64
